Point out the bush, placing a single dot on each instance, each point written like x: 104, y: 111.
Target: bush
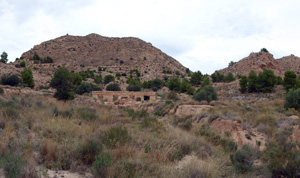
x: 99, y: 168
x: 86, y: 88
x: 23, y: 64
x: 11, y: 113
x: 172, y: 96
x: 206, y: 93
x: 115, y: 136
x: 1, y: 91
x: 10, y: 79
x: 113, y: 87
x: 98, y: 79
x: 133, y: 88
x: 13, y: 166
x: 87, y: 113
x: 108, y: 79
x: 89, y: 150
x: 242, y: 159
x: 282, y: 156
x: 292, y: 99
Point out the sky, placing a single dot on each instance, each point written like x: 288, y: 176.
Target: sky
x: 202, y: 35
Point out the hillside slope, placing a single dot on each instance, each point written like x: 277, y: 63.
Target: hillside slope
x: 116, y: 54
x: 256, y: 62
x: 290, y: 63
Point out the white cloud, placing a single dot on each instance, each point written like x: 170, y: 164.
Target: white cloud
x: 203, y: 35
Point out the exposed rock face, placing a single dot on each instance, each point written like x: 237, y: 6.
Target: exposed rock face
x: 256, y: 62
x: 117, y: 54
x: 290, y: 63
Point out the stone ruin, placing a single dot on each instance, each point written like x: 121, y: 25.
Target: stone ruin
x: 123, y: 97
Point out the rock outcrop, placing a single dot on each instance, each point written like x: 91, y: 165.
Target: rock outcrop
x: 256, y: 62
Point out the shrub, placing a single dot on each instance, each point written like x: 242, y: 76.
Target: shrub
x: 113, y: 87
x: 11, y: 113
x: 108, y: 79
x: 133, y: 88
x: 10, y: 79
x: 23, y: 64
x: 66, y: 113
x: 242, y: 159
x: 282, y: 156
x: 115, y: 136
x: 13, y: 166
x: 99, y: 168
x: 89, y: 150
x: 87, y: 113
x: 172, y: 96
x: 292, y: 99
x: 86, y: 88
x: 206, y: 93
x: 98, y: 79
x: 1, y: 91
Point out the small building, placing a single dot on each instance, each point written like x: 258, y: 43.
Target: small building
x: 124, y: 97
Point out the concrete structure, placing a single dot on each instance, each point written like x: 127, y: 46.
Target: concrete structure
x: 123, y: 97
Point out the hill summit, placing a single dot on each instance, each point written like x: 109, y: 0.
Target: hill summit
x: 116, y: 54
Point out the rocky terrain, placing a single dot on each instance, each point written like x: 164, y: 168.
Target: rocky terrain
x: 256, y: 62
x: 121, y: 55
x: 290, y: 63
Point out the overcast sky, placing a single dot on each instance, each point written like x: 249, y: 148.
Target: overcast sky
x: 203, y: 35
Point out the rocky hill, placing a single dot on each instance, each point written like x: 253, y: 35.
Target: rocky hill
x: 79, y: 53
x: 256, y: 62
x: 290, y: 63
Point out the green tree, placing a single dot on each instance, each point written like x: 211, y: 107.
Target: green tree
x: 186, y: 87
x: 252, y: 82
x: 108, y: 79
x: 27, y: 77
x: 289, y: 80
x: 196, y: 78
x: 229, y: 77
x: 205, y: 81
x: 231, y: 63
x: 174, y: 84
x: 4, y: 57
x: 62, y: 82
x: 264, y: 50
x: 266, y: 81
x: 243, y: 84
